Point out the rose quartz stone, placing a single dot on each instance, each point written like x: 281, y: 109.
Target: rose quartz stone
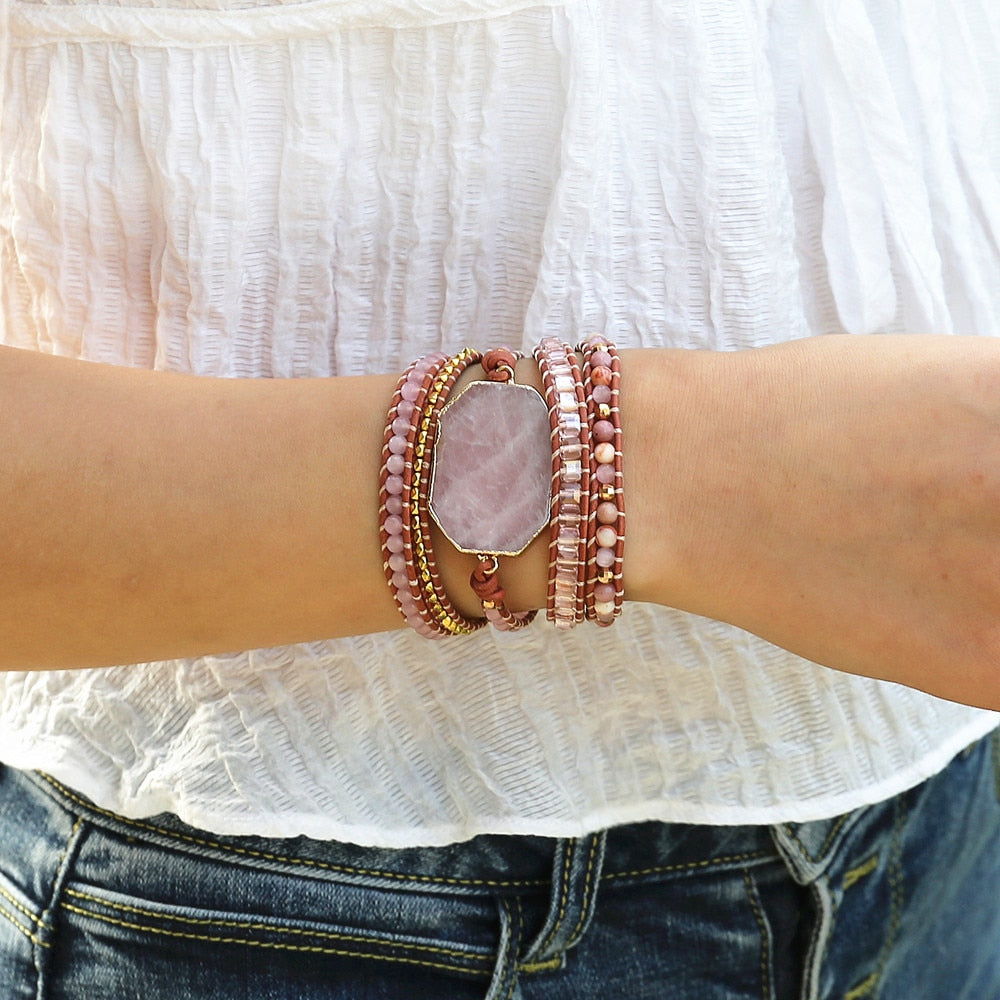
x: 492, y: 468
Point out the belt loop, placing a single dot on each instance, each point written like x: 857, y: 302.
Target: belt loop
x: 576, y: 874
x: 504, y: 982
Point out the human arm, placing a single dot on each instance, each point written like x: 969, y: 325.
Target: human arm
x: 836, y: 496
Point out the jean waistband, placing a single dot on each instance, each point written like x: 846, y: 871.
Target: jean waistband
x: 488, y: 863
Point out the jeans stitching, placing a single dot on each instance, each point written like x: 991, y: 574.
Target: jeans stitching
x: 765, y: 936
x: 571, y: 846
x: 304, y: 862
x: 251, y: 925
x: 585, y: 900
x: 724, y: 859
x: 26, y: 931
x: 275, y: 945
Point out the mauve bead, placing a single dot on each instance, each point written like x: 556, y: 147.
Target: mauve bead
x: 604, y: 592
x: 606, y: 536
x: 395, y: 464
x: 394, y: 543
x: 605, y: 558
x: 397, y: 562
x: 604, y: 453
x: 600, y: 359
x: 394, y: 485
x: 393, y: 524
x: 607, y: 512
x: 416, y: 622
x: 600, y: 375
x: 603, y: 430
x: 397, y: 444
x: 401, y: 426
x: 601, y: 394
x: 405, y: 408
x: 394, y: 505
x: 595, y: 340
x: 604, y: 608
x: 605, y: 474
x: 410, y: 390
x: 399, y: 580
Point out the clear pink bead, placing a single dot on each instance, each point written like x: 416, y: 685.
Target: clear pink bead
x: 394, y: 524
x: 394, y: 505
x: 394, y: 543
x: 401, y: 426
x: 572, y: 472
x: 405, y: 409
x: 394, y: 485
x: 397, y: 562
x: 397, y: 444
x: 410, y: 390
x: 395, y: 464
x: 400, y: 580
x: 571, y: 451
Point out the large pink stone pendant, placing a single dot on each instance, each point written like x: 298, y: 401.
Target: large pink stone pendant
x: 492, y: 472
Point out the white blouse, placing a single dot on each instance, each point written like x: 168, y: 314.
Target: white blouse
x: 330, y: 187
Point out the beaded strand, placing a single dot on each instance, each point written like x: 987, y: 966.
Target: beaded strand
x: 570, y: 439
x: 604, y: 591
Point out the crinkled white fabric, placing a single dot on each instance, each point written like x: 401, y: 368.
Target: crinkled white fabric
x: 336, y: 186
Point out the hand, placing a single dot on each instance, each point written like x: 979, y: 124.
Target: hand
x: 838, y: 496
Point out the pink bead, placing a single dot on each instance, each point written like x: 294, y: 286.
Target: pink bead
x: 400, y: 581
x: 394, y: 524
x: 401, y: 426
x: 394, y: 505
x: 601, y: 375
x: 397, y: 562
x: 600, y: 359
x: 605, y: 558
x: 605, y: 474
x: 397, y: 445
x: 410, y: 390
x: 607, y: 512
x: 606, y: 537
x: 604, y: 453
x: 395, y: 464
x: 602, y: 394
x: 394, y: 543
x: 595, y: 340
x: 416, y: 622
x: 603, y: 430
x: 405, y: 409
x: 604, y: 608
x: 604, y: 592
x: 394, y: 485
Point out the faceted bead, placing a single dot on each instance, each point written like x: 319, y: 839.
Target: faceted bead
x: 572, y: 472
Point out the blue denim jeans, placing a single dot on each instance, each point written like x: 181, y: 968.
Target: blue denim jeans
x: 899, y: 901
